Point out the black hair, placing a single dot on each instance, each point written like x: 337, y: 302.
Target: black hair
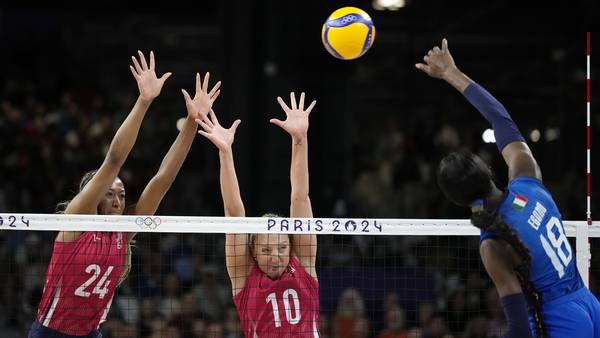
x: 87, y: 177
x: 492, y: 222
x: 464, y: 178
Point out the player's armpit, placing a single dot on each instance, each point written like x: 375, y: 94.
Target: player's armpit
x: 520, y: 161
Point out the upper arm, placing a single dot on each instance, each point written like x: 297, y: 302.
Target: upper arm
x: 305, y: 249
x: 149, y: 200
x: 496, y: 256
x: 520, y: 161
x: 238, y: 260
x: 152, y: 196
x: 87, y: 200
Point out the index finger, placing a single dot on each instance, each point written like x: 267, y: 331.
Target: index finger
x: 301, y: 103
x: 198, y: 85
x: 282, y: 104
x: 444, y: 45
x: 205, y: 83
x: 143, y: 60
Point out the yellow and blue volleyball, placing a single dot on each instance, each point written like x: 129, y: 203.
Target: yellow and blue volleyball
x: 348, y: 33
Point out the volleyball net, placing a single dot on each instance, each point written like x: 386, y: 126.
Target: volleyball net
x: 377, y: 277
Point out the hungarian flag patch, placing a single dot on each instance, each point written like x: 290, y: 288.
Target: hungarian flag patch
x: 519, y: 202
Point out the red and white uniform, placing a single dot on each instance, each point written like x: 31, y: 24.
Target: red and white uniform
x: 81, y: 281
x: 283, y: 308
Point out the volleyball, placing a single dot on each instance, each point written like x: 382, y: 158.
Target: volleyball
x: 348, y: 33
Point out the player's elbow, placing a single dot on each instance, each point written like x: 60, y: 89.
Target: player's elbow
x: 234, y: 210
x: 114, y: 159
x: 300, y: 196
x: 162, y: 181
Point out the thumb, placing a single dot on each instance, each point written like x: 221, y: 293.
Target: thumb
x: 165, y: 76
x: 235, y: 124
x: 423, y: 67
x: 277, y: 122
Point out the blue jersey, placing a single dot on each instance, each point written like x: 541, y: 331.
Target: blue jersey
x: 531, y: 212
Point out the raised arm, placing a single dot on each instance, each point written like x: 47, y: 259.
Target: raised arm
x: 86, y: 202
x: 237, y: 253
x: 158, y: 186
x: 517, y: 155
x: 296, y: 124
x: 496, y: 256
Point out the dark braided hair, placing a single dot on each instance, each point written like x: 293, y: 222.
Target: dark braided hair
x: 464, y: 178
x: 492, y: 222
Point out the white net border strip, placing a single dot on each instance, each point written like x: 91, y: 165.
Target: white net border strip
x: 197, y: 224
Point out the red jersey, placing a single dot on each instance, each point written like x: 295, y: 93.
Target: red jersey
x: 283, y: 308
x: 81, y: 281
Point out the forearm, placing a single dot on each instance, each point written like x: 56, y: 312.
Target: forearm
x: 457, y: 79
x: 230, y: 190
x: 515, y: 309
x: 299, y: 168
x: 125, y: 137
x: 505, y: 129
x: 178, y: 152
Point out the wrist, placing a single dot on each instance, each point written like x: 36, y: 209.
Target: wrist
x: 457, y: 79
x: 452, y: 73
x: 299, y: 139
x: 145, y: 100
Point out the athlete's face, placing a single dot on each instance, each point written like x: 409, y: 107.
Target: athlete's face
x: 113, y: 202
x: 272, y: 253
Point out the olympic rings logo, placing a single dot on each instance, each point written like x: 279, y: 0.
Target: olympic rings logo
x: 148, y: 222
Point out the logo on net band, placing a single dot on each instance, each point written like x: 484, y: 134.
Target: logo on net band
x: 148, y: 222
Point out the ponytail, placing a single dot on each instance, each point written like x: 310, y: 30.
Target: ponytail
x: 492, y: 222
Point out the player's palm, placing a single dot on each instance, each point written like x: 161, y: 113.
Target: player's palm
x: 438, y: 62
x: 296, y: 122
x: 221, y: 137
x: 148, y: 83
x: 201, y: 104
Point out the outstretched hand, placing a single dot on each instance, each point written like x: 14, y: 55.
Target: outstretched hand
x: 211, y: 129
x: 438, y: 62
x: 148, y: 83
x: 296, y: 122
x: 201, y: 104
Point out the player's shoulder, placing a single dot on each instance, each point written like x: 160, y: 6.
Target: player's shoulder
x: 528, y: 184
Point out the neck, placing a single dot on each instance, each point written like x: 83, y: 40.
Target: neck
x: 494, y: 198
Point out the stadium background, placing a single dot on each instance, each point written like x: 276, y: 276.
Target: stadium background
x: 377, y: 133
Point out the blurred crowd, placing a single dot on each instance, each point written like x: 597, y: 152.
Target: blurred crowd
x: 371, y: 286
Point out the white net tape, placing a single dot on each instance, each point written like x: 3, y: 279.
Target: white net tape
x: 194, y: 224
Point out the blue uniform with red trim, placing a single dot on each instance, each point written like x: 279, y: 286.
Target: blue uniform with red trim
x: 569, y: 309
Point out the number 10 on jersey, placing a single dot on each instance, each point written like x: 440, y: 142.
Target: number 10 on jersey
x: 292, y: 318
